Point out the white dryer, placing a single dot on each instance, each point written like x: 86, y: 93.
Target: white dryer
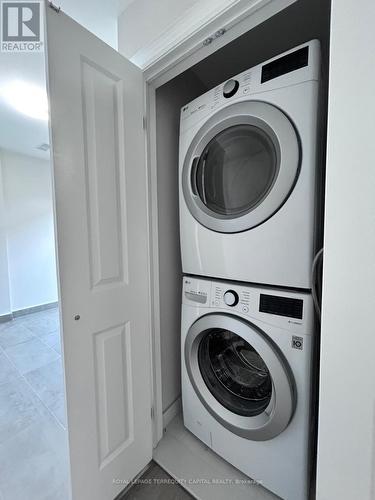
x: 247, y: 356
x: 248, y: 174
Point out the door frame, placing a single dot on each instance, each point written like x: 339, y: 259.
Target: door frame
x: 184, y: 56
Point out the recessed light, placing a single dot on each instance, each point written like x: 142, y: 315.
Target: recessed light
x: 27, y: 98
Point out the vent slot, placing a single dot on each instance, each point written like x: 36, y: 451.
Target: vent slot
x: 281, y: 306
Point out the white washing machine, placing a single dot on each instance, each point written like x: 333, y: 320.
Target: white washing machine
x: 247, y: 355
x: 248, y: 174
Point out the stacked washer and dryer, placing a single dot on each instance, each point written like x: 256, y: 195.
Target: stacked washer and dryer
x: 248, y: 223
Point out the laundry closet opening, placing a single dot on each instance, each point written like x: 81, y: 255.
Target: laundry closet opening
x: 302, y: 22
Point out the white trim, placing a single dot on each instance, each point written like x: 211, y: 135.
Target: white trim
x: 196, y: 18
x: 28, y: 310
x: 171, y: 412
x: 6, y: 317
x: 34, y: 309
x: 238, y: 18
x: 151, y: 159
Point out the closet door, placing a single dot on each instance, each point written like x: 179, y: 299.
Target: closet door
x: 100, y: 185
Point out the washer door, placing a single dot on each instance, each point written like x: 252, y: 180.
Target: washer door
x: 241, y: 167
x: 240, y: 376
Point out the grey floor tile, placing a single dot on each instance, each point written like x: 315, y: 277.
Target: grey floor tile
x: 34, y: 463
x: 31, y: 355
x: 6, y: 324
x: 7, y: 371
x: 14, y: 333
x: 57, y: 347
x: 47, y: 382
x: 33, y: 445
x: 59, y: 411
x: 19, y: 408
x: 51, y: 339
x: 156, y: 484
x: 42, y: 323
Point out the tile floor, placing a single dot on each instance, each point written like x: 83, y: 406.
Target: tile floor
x: 156, y: 484
x: 33, y: 437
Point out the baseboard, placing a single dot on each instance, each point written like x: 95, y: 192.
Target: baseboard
x: 6, y: 317
x: 174, y: 409
x: 34, y: 309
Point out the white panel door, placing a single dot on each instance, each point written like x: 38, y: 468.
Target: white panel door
x: 96, y: 106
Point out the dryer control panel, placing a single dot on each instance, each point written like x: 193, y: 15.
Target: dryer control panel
x: 285, y: 308
x: 290, y: 68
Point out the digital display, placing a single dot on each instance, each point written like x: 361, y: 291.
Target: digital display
x: 281, y: 306
x: 286, y: 64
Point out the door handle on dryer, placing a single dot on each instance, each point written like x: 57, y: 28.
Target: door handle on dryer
x: 193, y: 175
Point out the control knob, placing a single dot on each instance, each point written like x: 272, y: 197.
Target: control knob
x: 231, y: 298
x: 230, y: 88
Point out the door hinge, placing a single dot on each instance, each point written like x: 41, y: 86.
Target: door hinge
x: 54, y: 7
x: 144, y: 120
x: 152, y: 413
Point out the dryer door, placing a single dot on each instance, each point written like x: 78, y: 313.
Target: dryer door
x: 241, y: 167
x: 240, y: 376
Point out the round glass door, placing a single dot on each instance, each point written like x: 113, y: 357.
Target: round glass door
x: 240, y: 167
x: 236, y: 170
x: 234, y: 372
x: 239, y: 376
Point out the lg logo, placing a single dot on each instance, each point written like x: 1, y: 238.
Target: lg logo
x: 21, y: 26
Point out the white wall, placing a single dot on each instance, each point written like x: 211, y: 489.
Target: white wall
x: 143, y: 21
x: 346, y: 448
x: 29, y: 230
x: 98, y: 16
x: 5, y: 307
x: 169, y: 100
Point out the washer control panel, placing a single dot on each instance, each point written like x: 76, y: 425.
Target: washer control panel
x: 229, y: 297
x: 285, y: 308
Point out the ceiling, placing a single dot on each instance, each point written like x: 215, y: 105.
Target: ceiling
x: 147, y: 21
x: 23, y: 134
x: 18, y: 132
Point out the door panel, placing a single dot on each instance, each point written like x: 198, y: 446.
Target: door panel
x: 102, y: 97
x: 96, y: 106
